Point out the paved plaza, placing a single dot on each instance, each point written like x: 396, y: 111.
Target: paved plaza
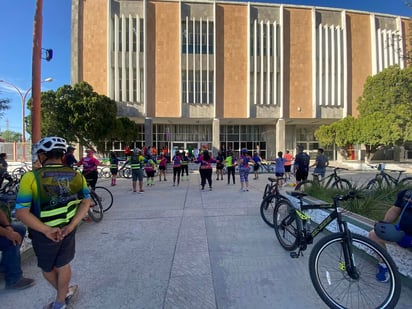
x: 179, y: 247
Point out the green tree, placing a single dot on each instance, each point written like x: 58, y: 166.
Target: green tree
x: 126, y: 129
x: 4, y: 105
x: 79, y: 114
x: 385, y: 110
x: 11, y: 136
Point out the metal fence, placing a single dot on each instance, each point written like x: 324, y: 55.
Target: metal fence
x: 16, y: 151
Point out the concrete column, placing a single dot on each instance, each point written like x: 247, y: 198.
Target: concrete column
x: 280, y: 136
x: 216, y: 136
x: 148, y: 131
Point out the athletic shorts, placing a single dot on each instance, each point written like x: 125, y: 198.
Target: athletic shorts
x: 301, y: 175
x: 287, y: 168
x: 406, y: 241
x: 162, y: 168
x: 137, y: 174
x: 52, y: 254
x: 279, y: 174
x: 114, y: 171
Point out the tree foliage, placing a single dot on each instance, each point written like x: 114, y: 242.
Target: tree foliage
x: 385, y: 113
x: 4, y: 105
x: 79, y: 115
x: 11, y: 136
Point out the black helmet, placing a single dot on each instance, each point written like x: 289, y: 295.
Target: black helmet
x: 388, y: 231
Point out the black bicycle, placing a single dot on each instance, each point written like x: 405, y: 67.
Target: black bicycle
x: 96, y: 209
x: 342, y: 265
x: 105, y: 196
x: 384, y: 180
x: 331, y: 181
x: 270, y: 197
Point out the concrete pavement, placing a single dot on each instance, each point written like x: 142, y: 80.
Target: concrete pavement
x: 179, y: 247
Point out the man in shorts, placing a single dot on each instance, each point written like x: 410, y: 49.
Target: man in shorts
x: 401, y: 211
x: 52, y: 201
x: 301, y: 164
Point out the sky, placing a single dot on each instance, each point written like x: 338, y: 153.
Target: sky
x: 16, y: 37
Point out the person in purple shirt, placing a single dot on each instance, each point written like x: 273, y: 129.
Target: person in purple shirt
x: 205, y: 160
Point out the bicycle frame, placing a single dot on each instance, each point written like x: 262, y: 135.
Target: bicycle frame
x: 306, y: 238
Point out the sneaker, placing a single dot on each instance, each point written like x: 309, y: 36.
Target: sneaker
x: 71, y: 295
x: 141, y: 191
x: 210, y: 188
x: 382, y: 275
x: 22, y: 284
x: 52, y: 306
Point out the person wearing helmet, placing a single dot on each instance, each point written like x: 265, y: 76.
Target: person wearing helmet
x: 387, y: 230
x: 177, y: 166
x: 90, y: 164
x: 136, y: 161
x: 244, y: 161
x: 51, y: 202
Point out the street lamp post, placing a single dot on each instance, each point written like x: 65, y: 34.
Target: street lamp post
x: 23, y: 97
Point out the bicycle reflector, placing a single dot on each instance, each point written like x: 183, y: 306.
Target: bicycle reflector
x: 388, y: 231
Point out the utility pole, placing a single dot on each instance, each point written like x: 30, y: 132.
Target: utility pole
x: 36, y: 72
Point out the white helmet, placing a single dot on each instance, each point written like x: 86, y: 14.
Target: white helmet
x: 50, y: 143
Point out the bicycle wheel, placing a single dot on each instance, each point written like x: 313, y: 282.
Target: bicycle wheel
x: 286, y: 224
x: 342, y: 184
x: 337, y: 289
x: 304, y: 185
x: 266, y: 209
x: 96, y: 210
x: 374, y: 184
x: 406, y: 182
x: 105, y: 197
x: 127, y: 172
x: 18, y: 172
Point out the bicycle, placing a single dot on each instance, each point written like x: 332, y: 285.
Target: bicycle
x: 20, y: 171
x: 331, y: 181
x: 105, y: 197
x: 342, y: 265
x: 383, y: 179
x: 270, y: 198
x: 96, y: 209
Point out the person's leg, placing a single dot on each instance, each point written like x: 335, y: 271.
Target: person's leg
x: 178, y: 175
x: 11, y: 259
x: 140, y: 177
x: 174, y: 175
x: 209, y: 173
x: 233, y: 174
x: 247, y: 180
x: 372, y: 235
x: 202, y: 178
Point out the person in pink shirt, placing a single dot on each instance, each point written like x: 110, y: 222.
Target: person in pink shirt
x: 206, y: 170
x: 90, y: 164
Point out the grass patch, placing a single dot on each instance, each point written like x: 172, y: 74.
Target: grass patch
x: 371, y: 204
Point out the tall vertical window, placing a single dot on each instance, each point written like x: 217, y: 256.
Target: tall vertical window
x: 197, y: 37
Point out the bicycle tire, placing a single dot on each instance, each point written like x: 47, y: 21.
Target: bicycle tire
x: 304, y: 185
x: 105, y: 196
x: 342, y: 184
x: 127, y: 172
x: 406, y: 182
x: 374, y: 184
x: 267, y: 207
x: 18, y: 172
x: 96, y: 210
x: 337, y: 289
x: 286, y: 225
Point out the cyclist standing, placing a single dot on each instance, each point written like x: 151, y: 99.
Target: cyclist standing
x: 114, y: 166
x: 69, y: 158
x: 288, y: 164
x: 301, y: 164
x: 244, y: 160
x: 321, y: 163
x: 185, y: 165
x: 136, y: 161
x: 52, y: 201
x: 177, y: 166
x: 90, y: 164
x: 230, y: 162
x: 256, y: 164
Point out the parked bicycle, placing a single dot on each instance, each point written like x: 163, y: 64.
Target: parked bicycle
x: 384, y: 180
x: 270, y: 198
x: 342, y: 265
x: 331, y: 181
x: 20, y: 171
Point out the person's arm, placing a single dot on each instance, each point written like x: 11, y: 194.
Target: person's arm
x: 27, y: 218
x: 7, y: 231
x: 392, y: 214
x: 80, y: 214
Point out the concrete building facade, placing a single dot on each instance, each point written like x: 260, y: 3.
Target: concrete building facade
x: 231, y: 74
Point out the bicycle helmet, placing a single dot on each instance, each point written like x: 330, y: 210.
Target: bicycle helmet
x: 244, y: 150
x: 388, y: 231
x: 50, y: 143
x: 137, y: 150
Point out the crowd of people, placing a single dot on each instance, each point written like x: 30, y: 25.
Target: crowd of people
x: 53, y: 199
